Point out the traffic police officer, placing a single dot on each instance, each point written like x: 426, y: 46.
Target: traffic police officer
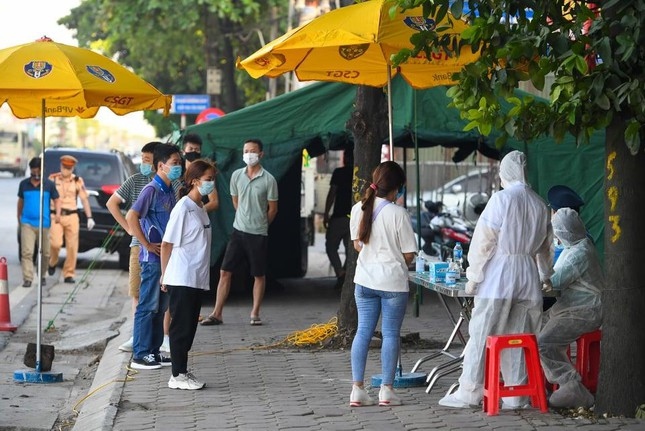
x: 70, y: 187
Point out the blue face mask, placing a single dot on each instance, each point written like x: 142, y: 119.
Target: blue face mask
x: 174, y: 173
x: 400, y: 193
x: 206, y: 188
x: 145, y: 169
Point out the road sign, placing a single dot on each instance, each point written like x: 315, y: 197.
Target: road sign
x: 190, y: 103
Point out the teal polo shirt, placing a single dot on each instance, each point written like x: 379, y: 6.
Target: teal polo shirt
x: 253, y: 196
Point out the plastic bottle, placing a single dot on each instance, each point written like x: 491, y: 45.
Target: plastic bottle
x: 452, y: 274
x: 458, y: 255
x: 420, y: 264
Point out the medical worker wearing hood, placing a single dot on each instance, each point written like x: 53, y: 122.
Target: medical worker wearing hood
x: 578, y: 275
x: 509, y: 257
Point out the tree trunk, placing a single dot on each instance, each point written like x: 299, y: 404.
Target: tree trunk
x: 621, y: 386
x: 368, y: 125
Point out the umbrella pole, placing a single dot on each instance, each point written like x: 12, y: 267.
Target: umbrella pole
x: 40, y: 376
x: 389, y: 110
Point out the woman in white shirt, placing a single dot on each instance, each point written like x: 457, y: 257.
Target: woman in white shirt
x: 382, y: 234
x: 185, y: 268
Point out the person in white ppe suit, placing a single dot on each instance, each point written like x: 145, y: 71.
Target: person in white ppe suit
x: 509, y: 257
x: 578, y: 275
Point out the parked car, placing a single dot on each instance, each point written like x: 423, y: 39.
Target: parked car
x: 468, y: 193
x: 103, y: 172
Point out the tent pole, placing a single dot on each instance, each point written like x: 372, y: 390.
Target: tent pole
x: 40, y: 244
x: 389, y: 110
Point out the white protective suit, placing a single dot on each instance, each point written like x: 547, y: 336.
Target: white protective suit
x: 578, y: 275
x: 509, y: 257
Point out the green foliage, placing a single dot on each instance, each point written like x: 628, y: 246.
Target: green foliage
x: 597, y: 58
x: 170, y: 43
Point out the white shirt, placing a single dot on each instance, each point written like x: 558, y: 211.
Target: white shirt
x: 380, y: 264
x: 189, y: 231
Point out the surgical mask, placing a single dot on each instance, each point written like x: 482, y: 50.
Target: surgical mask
x: 145, y: 169
x: 251, y: 159
x: 400, y: 193
x: 174, y: 173
x: 191, y: 157
x: 206, y: 188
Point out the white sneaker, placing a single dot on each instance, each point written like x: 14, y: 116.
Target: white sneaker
x: 387, y: 397
x: 127, y: 346
x: 360, y: 397
x: 165, y: 346
x: 185, y: 381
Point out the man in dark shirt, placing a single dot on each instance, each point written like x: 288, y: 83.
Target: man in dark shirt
x: 337, y: 225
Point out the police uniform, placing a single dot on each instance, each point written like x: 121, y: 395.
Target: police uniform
x: 69, y: 189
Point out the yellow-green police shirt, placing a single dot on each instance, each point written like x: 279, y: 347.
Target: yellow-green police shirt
x: 253, y: 196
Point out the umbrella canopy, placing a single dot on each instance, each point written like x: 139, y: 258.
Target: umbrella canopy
x: 48, y: 79
x: 74, y: 82
x: 354, y: 44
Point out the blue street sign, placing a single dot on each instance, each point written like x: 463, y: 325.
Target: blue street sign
x: 190, y: 103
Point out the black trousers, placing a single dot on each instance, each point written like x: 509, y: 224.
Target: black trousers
x: 185, y: 305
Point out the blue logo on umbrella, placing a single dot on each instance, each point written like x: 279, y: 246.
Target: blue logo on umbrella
x: 38, y: 69
x: 101, y: 73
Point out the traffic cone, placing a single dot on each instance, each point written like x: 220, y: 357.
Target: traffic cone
x: 5, y: 308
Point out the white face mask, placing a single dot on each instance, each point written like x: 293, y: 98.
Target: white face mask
x: 251, y: 159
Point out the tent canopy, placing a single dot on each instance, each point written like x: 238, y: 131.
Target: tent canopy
x: 314, y: 118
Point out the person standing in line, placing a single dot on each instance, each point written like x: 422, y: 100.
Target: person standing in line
x: 579, y: 278
x: 510, y: 261
x: 192, y: 151
x: 337, y: 225
x: 124, y: 197
x: 147, y: 219
x: 29, y: 219
x: 255, y: 197
x: 70, y: 187
x: 382, y: 234
x: 187, y: 244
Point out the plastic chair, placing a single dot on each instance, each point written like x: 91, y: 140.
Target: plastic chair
x: 494, y: 390
x: 588, y: 358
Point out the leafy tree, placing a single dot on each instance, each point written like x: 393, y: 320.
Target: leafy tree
x: 595, y: 50
x: 171, y: 43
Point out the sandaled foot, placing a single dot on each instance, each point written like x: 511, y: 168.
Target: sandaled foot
x: 256, y: 321
x: 210, y: 321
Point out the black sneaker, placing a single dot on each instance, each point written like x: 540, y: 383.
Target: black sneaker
x: 26, y: 283
x: 146, y: 363
x: 51, y: 270
x: 70, y: 280
x: 165, y: 361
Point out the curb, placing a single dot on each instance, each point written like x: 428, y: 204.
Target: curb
x: 100, y: 408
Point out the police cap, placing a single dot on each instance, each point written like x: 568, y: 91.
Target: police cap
x: 561, y: 196
x: 68, y: 161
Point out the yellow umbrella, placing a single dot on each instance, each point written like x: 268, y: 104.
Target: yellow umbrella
x: 74, y: 81
x: 354, y: 44
x: 48, y: 79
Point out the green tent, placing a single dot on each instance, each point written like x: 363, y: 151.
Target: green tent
x: 314, y: 118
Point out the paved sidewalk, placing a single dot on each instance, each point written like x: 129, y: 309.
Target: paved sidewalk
x: 292, y: 388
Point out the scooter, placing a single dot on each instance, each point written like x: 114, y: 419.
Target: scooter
x: 427, y: 233
x: 449, y: 228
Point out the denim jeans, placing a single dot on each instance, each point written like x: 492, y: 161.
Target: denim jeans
x: 147, y: 334
x: 371, y: 304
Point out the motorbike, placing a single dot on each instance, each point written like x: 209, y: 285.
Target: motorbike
x: 431, y: 209
x: 449, y: 227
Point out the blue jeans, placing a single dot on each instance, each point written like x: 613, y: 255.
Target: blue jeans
x: 371, y: 304
x: 147, y: 335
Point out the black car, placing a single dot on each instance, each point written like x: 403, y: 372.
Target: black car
x: 103, y: 173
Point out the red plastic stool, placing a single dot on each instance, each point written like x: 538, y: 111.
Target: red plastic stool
x: 588, y: 358
x: 494, y: 390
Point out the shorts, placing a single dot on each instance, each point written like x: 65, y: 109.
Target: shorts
x: 134, y: 280
x: 246, y: 247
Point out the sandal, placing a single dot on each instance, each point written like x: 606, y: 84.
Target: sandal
x: 256, y: 321
x: 210, y: 321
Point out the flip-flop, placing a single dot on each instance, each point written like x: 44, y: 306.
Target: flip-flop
x: 256, y: 321
x: 210, y: 321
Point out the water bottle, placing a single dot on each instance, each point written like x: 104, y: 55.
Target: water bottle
x: 458, y: 255
x: 452, y: 274
x: 420, y: 264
